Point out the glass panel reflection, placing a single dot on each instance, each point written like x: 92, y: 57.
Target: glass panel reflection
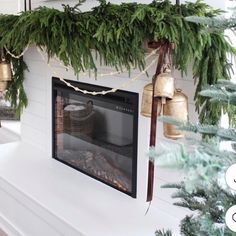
x: 95, y: 136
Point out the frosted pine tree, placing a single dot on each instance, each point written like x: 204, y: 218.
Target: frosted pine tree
x: 204, y: 161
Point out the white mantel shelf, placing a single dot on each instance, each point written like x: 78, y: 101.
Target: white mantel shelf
x: 66, y: 201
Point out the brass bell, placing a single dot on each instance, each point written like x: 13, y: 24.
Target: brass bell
x: 164, y: 86
x: 146, y: 108
x: 5, y: 71
x: 3, y: 86
x: 178, y: 109
x: 5, y: 75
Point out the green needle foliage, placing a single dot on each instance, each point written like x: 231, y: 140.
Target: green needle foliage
x: 163, y: 233
x: 216, y: 23
x: 16, y: 93
x: 116, y: 33
x: 209, y: 207
x: 203, y: 190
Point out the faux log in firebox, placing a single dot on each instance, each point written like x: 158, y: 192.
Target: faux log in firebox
x: 97, y: 135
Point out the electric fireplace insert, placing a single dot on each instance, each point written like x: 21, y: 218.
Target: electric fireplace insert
x: 97, y: 135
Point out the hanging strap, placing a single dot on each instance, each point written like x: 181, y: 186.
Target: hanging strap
x: 164, y: 50
x: 2, y: 55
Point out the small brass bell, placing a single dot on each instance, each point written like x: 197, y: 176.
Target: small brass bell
x: 164, y: 86
x: 3, y: 86
x: 5, y: 75
x: 146, y: 108
x: 178, y: 109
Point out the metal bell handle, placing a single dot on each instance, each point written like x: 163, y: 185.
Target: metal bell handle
x: 2, y: 55
x: 166, y: 68
x: 179, y: 90
x: 159, y: 107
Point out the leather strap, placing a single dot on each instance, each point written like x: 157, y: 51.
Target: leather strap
x: 164, y: 50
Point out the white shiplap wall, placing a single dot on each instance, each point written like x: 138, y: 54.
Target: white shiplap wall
x: 9, y: 6
x: 15, y: 6
x: 58, y: 3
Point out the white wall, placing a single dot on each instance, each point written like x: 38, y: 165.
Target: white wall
x: 15, y: 6
x: 85, y: 6
x: 216, y: 4
x: 92, y: 3
x: 9, y: 6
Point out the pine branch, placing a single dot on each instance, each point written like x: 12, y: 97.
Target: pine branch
x: 177, y: 186
x: 163, y: 233
x: 219, y: 95
x: 219, y: 23
x: 224, y: 134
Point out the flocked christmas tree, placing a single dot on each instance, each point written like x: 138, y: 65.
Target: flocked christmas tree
x: 204, y: 161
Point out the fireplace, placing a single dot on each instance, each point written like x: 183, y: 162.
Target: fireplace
x: 97, y: 135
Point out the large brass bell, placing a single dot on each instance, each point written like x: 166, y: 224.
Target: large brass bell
x: 146, y: 108
x: 178, y: 109
x: 164, y: 86
x: 5, y: 75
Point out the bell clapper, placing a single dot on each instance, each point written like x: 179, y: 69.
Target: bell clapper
x: 159, y: 107
x: 163, y: 100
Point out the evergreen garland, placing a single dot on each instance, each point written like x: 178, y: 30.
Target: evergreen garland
x: 116, y: 32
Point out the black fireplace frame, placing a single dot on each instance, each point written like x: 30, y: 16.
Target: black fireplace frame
x: 56, y: 83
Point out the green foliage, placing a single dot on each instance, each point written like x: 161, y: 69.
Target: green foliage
x: 211, y: 67
x: 214, y: 73
x: 224, y: 95
x: 16, y: 93
x: 209, y: 207
x: 163, y: 233
x: 204, y: 190
x: 216, y: 23
x: 205, y: 129
x: 116, y: 32
x: 202, y: 162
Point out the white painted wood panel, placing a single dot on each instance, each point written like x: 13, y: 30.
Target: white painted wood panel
x: 91, y: 3
x: 34, y: 136
x: 9, y: 6
x: 35, y: 94
x: 38, y: 122
x: 56, y: 192
x: 36, y: 108
x: 35, y: 80
x: 17, y: 214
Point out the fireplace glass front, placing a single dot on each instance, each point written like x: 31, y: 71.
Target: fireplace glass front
x: 97, y: 135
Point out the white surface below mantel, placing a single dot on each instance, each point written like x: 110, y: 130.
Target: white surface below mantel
x: 10, y: 131
x: 68, y: 202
